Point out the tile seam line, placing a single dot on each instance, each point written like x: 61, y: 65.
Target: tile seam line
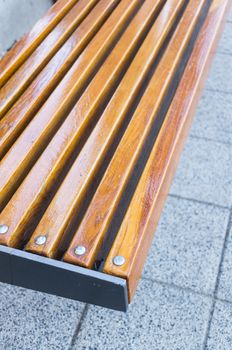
x: 208, y: 139
x: 223, y: 92
x: 219, y: 52
x: 207, y: 330
x: 225, y: 301
x: 229, y: 225
x: 174, y: 286
x: 78, y: 327
x: 222, y: 51
x: 198, y: 201
x: 227, y: 232
x: 177, y: 287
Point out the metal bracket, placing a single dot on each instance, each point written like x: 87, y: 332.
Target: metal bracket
x: 55, y: 277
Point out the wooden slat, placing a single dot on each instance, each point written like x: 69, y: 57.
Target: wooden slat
x: 25, y: 46
x: 30, y: 144
x: 65, y: 141
x: 41, y: 56
x: 134, y: 237
x: 93, y: 228
x: 101, y: 125
x: 13, y: 123
x: 65, y: 204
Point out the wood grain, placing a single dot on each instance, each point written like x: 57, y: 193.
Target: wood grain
x: 25, y: 46
x: 64, y: 207
x: 105, y: 104
x: 14, y: 87
x: 15, y: 121
x: 27, y: 148
x: 65, y: 141
x: 92, y: 232
x: 135, y: 235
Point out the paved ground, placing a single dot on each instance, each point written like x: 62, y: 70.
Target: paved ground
x: 16, y: 17
x: 184, y: 300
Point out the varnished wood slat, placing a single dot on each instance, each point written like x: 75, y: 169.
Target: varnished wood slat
x: 135, y: 235
x: 65, y: 141
x: 25, y: 46
x: 64, y: 207
x: 13, y: 123
x: 92, y: 232
x: 17, y: 162
x: 41, y: 56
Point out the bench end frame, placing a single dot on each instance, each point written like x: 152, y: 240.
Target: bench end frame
x: 59, y: 278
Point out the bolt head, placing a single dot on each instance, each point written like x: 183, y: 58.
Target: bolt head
x: 80, y: 250
x: 119, y: 260
x: 3, y: 229
x: 40, y: 240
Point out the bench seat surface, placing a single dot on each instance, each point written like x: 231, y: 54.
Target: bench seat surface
x: 95, y: 104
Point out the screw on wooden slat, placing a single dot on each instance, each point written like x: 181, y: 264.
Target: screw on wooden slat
x: 3, y: 229
x: 80, y: 250
x: 119, y: 260
x: 40, y: 240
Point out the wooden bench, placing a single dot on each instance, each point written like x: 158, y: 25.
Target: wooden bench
x: 95, y: 104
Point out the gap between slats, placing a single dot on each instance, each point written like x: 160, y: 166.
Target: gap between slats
x: 68, y: 104
x: 99, y: 169
x: 155, y: 181
x: 177, y: 19
x: 29, y: 103
x: 22, y: 49
x: 16, y: 85
x: 137, y: 43
x: 146, y: 150
x: 90, y: 233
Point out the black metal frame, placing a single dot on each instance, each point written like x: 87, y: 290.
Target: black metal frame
x: 55, y: 277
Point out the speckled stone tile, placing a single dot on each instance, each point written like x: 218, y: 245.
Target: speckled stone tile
x: 220, y: 335
x: 159, y: 318
x: 225, y: 281
x: 187, y: 245
x: 220, y: 77
x: 225, y: 44
x: 33, y: 320
x: 213, y: 117
x: 17, y: 17
x: 204, y: 172
x: 230, y: 15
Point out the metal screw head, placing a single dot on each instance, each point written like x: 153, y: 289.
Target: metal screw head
x: 3, y: 229
x: 119, y: 260
x: 80, y: 250
x: 40, y: 240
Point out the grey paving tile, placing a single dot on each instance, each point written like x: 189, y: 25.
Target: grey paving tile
x: 225, y: 44
x: 225, y: 281
x: 220, y: 335
x: 213, y: 117
x: 205, y: 172
x: 187, y: 246
x: 159, y: 318
x: 220, y: 76
x: 33, y: 320
x: 17, y: 17
x: 230, y: 15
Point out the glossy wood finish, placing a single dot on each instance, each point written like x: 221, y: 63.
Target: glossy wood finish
x: 41, y: 56
x: 92, y: 231
x: 91, y: 142
x: 65, y: 141
x: 15, y: 165
x: 135, y: 235
x: 24, y: 47
x: 13, y: 123
x: 68, y: 199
